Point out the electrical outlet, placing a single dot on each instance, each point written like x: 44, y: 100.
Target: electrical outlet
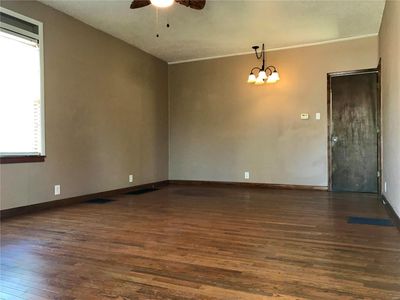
x: 385, y: 187
x: 57, y: 189
x: 130, y: 178
x: 318, y: 116
x: 246, y: 175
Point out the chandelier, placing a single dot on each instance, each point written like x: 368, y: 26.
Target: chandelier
x: 265, y: 74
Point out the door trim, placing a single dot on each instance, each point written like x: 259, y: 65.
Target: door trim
x: 379, y: 119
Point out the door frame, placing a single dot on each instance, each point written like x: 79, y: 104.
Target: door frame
x: 378, y: 121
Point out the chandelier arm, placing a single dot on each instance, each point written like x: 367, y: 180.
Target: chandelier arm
x: 269, y: 73
x: 271, y: 69
x: 255, y: 68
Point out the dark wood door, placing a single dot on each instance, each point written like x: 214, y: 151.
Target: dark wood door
x: 354, y: 133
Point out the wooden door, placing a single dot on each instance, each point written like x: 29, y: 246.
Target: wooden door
x: 354, y: 132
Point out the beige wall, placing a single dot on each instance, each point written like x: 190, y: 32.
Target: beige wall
x: 220, y: 126
x: 106, y: 114
x: 389, y: 48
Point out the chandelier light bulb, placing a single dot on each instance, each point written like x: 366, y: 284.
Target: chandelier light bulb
x: 262, y: 75
x: 259, y: 80
x: 252, y: 78
x: 274, y: 77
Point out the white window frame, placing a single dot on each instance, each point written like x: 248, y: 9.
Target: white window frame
x: 38, y: 37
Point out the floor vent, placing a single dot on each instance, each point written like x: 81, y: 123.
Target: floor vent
x: 370, y: 221
x: 142, y: 191
x: 98, y: 201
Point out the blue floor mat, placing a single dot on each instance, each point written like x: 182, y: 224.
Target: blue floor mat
x: 370, y: 221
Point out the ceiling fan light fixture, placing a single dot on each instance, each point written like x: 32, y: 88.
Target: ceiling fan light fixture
x: 252, y: 78
x: 162, y: 3
x: 194, y: 4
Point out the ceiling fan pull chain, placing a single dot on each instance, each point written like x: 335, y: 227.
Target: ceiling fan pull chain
x: 167, y: 20
x: 157, y: 27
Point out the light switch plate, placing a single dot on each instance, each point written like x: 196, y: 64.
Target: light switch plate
x: 318, y: 116
x: 304, y: 116
x: 57, y: 190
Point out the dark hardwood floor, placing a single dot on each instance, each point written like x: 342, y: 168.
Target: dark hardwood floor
x: 188, y: 242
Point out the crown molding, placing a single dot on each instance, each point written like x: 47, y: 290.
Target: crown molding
x: 275, y: 49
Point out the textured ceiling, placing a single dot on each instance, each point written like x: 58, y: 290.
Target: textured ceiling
x: 227, y: 27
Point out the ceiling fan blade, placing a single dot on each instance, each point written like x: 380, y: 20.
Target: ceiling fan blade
x: 140, y: 3
x: 195, y: 4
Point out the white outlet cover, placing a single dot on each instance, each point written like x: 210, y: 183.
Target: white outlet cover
x: 57, y: 189
x: 130, y: 178
x: 318, y: 116
x: 385, y: 188
x: 246, y: 175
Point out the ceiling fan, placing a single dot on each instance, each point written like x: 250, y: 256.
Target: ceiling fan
x: 195, y: 4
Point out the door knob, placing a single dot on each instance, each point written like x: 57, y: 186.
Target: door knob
x: 334, y: 139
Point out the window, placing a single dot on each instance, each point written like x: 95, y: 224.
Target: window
x: 21, y: 92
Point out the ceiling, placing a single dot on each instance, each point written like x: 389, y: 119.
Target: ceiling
x: 227, y: 27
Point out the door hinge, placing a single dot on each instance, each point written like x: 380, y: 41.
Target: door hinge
x: 378, y: 174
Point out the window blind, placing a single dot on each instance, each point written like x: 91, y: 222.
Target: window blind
x: 20, y: 94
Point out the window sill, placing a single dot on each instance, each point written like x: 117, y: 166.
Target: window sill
x: 21, y: 159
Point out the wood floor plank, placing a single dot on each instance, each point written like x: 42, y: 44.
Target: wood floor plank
x: 190, y: 242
